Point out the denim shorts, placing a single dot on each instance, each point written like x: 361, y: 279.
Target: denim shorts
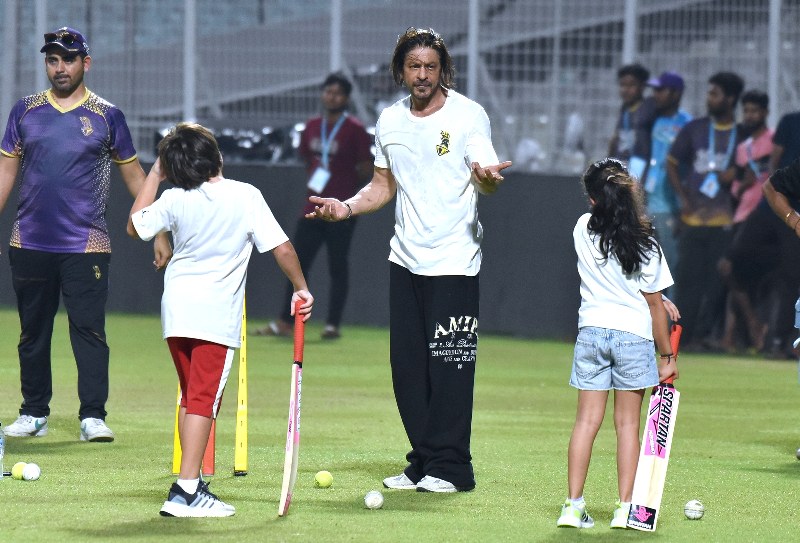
x: 608, y: 359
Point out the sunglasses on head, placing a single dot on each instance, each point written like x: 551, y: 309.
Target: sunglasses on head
x: 63, y: 37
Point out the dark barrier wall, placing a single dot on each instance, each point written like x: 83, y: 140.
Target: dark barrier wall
x: 529, y: 281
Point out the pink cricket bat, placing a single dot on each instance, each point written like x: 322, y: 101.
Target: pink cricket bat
x: 293, y: 432
x: 648, y: 486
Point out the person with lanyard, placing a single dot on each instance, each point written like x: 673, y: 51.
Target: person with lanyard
x: 747, y: 261
x: 662, y: 205
x: 337, y: 152
x: 699, y: 170
x: 631, y: 140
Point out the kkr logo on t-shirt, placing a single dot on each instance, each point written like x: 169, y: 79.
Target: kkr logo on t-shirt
x: 444, y: 147
x: 86, y: 126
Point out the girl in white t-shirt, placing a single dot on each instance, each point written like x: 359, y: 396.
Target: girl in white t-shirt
x: 622, y: 274
x: 215, y: 223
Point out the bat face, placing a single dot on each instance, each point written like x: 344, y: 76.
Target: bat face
x: 651, y: 473
x: 292, y: 440
x: 659, y: 419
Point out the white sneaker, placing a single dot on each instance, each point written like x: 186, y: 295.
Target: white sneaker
x: 434, y: 484
x: 95, y: 430
x: 203, y: 487
x: 27, y: 426
x: 200, y: 504
x: 399, y: 482
x: 575, y: 517
x: 620, y: 519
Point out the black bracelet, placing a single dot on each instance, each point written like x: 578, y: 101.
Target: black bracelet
x: 667, y: 356
x: 349, y: 210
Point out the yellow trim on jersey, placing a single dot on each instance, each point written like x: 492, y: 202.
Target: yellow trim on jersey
x: 9, y: 155
x: 716, y: 220
x: 134, y: 157
x: 723, y: 127
x: 79, y: 103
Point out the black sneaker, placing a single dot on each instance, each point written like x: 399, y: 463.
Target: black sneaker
x: 200, y: 504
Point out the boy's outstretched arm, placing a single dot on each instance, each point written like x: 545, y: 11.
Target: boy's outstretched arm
x: 286, y: 257
x: 146, y: 196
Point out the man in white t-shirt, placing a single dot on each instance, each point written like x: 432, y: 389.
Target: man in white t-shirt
x: 434, y: 151
x: 215, y: 222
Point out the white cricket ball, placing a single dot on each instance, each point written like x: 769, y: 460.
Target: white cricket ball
x: 694, y: 510
x: 373, y: 500
x: 31, y: 472
x: 797, y: 454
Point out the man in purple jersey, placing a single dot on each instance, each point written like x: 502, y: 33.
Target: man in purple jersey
x: 699, y: 170
x: 62, y: 142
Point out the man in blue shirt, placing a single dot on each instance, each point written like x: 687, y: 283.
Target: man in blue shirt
x: 662, y: 205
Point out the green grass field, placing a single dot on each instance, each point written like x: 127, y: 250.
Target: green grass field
x: 734, y: 449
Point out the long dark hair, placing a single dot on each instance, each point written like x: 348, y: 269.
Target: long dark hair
x: 422, y: 37
x: 618, y: 214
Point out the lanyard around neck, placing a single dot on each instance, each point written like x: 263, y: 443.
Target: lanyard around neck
x: 712, y: 148
x: 325, y: 140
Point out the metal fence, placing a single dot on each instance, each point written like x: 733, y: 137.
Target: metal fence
x: 544, y: 70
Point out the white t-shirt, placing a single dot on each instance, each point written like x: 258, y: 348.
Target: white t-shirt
x: 609, y: 298
x: 214, y: 228
x: 436, y: 215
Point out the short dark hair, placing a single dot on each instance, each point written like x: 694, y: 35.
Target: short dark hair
x: 189, y: 155
x: 639, y: 72
x: 757, y: 97
x: 731, y: 84
x: 422, y: 37
x: 337, y: 78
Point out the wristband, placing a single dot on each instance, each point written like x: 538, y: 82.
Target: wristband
x: 349, y: 210
x: 667, y: 356
x: 786, y: 218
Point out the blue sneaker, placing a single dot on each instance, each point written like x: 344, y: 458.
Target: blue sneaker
x: 200, y: 504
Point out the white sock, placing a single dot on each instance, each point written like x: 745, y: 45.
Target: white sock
x: 578, y: 502
x: 626, y: 505
x: 189, y: 485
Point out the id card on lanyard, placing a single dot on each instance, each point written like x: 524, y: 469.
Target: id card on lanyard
x: 319, y: 179
x: 710, y: 186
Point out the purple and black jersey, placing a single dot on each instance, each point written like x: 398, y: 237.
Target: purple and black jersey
x: 690, y: 151
x: 65, y: 164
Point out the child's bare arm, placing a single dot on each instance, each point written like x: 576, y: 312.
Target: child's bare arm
x: 286, y: 257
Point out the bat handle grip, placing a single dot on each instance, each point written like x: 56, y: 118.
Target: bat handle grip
x: 674, y: 341
x: 299, y: 332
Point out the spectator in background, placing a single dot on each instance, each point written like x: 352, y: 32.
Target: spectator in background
x: 662, y: 204
x: 699, y: 170
x: 742, y: 269
x: 336, y: 150
x: 785, y: 142
x: 631, y: 139
x: 63, y: 142
x: 782, y: 192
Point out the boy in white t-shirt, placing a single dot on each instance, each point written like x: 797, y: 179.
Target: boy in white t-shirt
x: 215, y: 222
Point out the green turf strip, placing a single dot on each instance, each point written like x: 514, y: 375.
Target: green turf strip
x: 734, y: 449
